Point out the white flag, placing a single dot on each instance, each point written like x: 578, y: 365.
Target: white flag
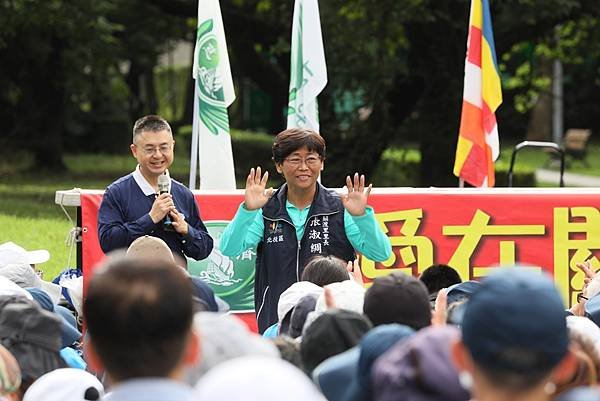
x: 211, y: 142
x: 308, y: 72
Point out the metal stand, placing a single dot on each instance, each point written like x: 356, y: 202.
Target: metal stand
x: 536, y: 144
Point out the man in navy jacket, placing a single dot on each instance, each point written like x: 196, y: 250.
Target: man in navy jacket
x: 131, y: 206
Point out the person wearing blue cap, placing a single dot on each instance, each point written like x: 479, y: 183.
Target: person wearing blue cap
x: 346, y: 377
x: 515, y: 343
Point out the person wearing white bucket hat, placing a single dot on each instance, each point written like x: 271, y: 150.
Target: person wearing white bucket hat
x: 11, y: 253
x: 18, y: 265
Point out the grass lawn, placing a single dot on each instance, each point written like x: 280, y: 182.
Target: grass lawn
x: 538, y: 158
x: 40, y: 233
x: 28, y: 214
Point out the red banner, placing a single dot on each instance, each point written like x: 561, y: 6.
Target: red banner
x: 472, y: 230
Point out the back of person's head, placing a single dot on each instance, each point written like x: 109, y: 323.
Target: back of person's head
x: 398, y: 298
x: 32, y: 335
x: 419, y: 368
x: 514, y: 330
x: 139, y: 317
x: 151, y: 123
x: 347, y: 295
x: 256, y: 378
x: 65, y: 385
x: 347, y: 376
x: 290, y: 297
x: 457, y: 297
x: 585, y: 343
x: 323, y: 270
x: 439, y: 276
x: 149, y: 247
x: 332, y: 333
x: 289, y: 350
x: 225, y: 337
x: 303, y: 308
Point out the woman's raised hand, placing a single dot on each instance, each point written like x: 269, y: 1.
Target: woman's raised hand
x: 256, y: 194
x: 355, y: 201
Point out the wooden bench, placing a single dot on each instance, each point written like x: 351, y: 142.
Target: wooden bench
x: 575, y: 144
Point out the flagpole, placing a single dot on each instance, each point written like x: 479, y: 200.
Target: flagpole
x: 194, y: 142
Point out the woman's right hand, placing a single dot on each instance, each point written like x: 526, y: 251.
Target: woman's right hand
x: 256, y: 195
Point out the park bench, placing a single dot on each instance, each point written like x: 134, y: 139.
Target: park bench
x: 575, y: 144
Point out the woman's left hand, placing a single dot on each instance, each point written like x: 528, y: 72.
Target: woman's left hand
x: 355, y: 201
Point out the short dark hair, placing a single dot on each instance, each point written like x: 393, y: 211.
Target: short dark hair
x: 152, y: 123
x: 439, y: 276
x: 514, y: 381
x: 292, y: 139
x: 398, y: 298
x: 323, y: 270
x: 139, y: 316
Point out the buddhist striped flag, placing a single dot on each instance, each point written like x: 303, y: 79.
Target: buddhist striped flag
x: 478, y: 145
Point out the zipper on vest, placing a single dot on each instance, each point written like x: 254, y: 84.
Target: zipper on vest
x: 298, y: 261
x: 262, y: 303
x: 287, y: 221
x: 299, y: 239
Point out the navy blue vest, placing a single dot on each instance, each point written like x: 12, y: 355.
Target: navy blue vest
x: 281, y: 257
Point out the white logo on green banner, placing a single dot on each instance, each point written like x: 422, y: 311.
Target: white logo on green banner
x: 213, y: 110
x: 232, y: 279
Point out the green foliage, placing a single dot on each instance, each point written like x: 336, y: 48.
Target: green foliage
x: 398, y: 168
x: 522, y: 177
x: 250, y: 149
x: 171, y: 88
x: 82, y: 71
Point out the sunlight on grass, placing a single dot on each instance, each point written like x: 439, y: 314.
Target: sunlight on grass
x: 40, y: 233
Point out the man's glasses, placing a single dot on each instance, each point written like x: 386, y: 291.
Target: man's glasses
x: 150, y: 150
x: 581, y: 298
x: 297, y: 161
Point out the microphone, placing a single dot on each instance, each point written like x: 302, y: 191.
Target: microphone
x: 164, y: 187
x: 164, y: 183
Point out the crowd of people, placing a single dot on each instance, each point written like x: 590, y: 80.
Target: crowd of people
x: 147, y: 330
x: 153, y: 332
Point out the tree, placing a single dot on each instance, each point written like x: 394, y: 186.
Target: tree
x: 50, y: 51
x: 80, y: 71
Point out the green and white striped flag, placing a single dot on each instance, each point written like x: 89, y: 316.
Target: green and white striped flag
x: 211, y: 142
x: 308, y: 72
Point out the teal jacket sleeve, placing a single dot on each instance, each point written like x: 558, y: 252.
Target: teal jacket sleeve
x: 366, y: 236
x: 243, y: 232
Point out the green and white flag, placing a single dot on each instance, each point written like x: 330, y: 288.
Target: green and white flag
x: 308, y: 72
x: 211, y: 142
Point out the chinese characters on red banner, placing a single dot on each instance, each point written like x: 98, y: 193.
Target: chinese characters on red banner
x: 473, y: 231
x: 575, y: 232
